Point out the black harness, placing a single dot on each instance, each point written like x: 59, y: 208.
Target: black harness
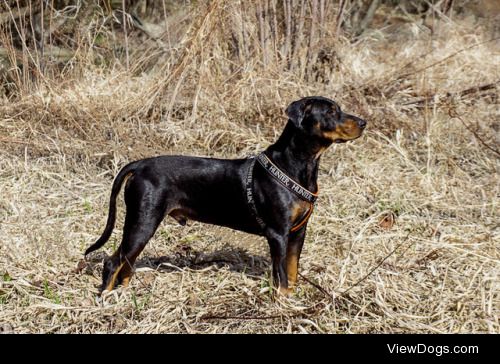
x: 285, y: 181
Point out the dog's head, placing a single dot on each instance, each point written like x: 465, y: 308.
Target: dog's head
x: 322, y: 118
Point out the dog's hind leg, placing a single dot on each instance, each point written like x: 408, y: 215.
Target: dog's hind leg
x: 145, y: 211
x: 137, y: 232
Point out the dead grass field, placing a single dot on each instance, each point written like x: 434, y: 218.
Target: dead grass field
x: 428, y: 162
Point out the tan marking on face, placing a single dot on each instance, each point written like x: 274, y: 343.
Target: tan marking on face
x: 292, y: 268
x: 347, y: 130
x: 111, y: 284
x: 331, y: 135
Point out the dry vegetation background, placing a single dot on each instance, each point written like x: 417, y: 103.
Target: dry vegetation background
x: 406, y: 231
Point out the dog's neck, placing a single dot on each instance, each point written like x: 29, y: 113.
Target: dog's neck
x: 297, y: 155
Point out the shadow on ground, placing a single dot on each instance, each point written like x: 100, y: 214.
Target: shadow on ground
x: 235, y: 259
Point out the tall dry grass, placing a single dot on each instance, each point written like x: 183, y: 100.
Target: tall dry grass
x: 404, y: 238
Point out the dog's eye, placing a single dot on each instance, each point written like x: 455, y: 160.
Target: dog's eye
x: 332, y: 113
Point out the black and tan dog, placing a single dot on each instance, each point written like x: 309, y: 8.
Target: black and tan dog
x: 271, y: 195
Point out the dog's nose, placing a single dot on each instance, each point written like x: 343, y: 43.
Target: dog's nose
x: 361, y: 123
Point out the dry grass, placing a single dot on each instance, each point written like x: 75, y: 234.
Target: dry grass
x: 62, y: 143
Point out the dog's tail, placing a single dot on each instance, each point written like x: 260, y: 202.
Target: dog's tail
x: 110, y: 224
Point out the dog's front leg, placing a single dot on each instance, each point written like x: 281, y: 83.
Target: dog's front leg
x: 277, y: 244
x: 293, y: 250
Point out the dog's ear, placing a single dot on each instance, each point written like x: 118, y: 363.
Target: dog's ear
x: 297, y: 111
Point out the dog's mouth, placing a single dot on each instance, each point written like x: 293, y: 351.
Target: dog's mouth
x: 340, y: 140
x: 344, y: 133
x: 347, y: 131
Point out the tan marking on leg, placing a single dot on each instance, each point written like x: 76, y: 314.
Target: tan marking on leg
x: 111, y: 284
x: 292, y: 267
x: 126, y: 274
x: 285, y: 291
x: 126, y: 281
